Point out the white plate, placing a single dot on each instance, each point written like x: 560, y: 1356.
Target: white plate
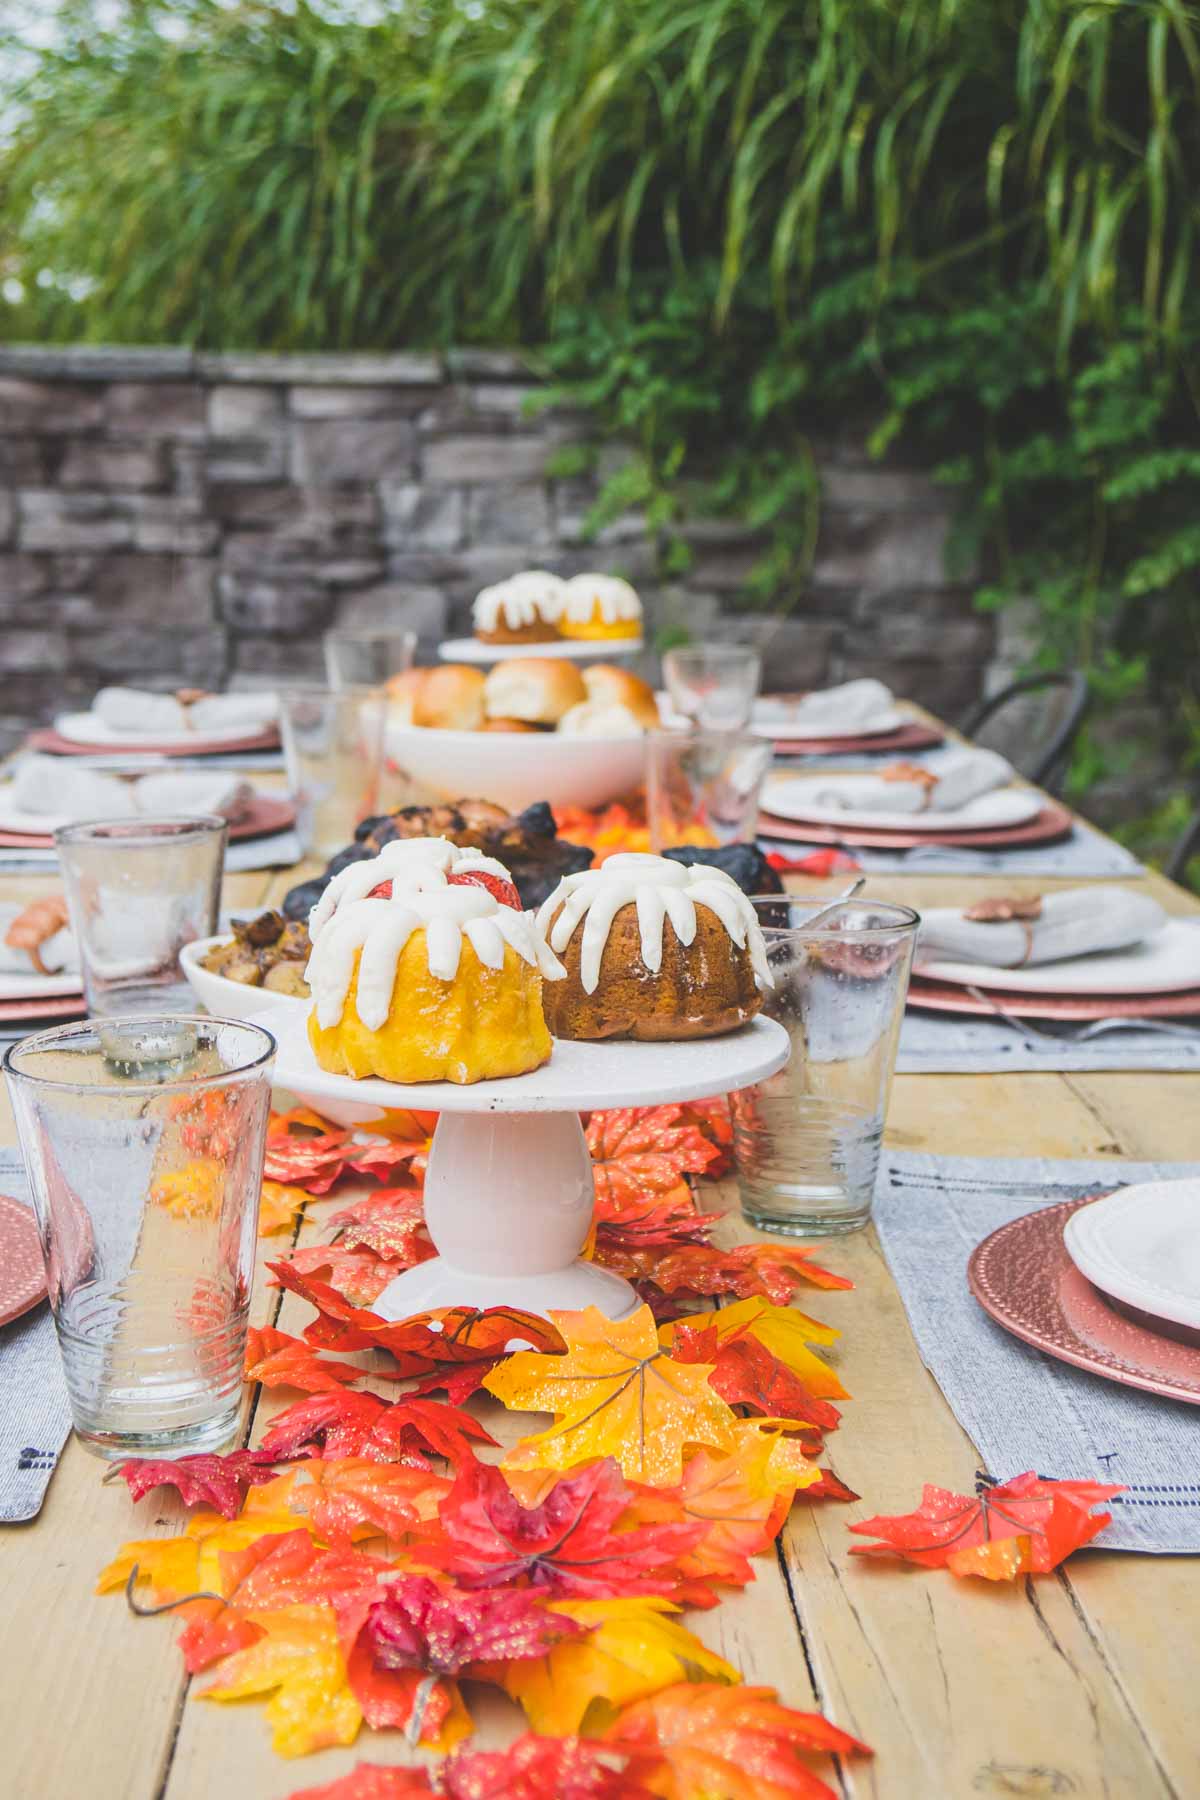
x: 227, y: 999
x: 516, y: 768
x: 1142, y: 1246
x: 1168, y: 960
x: 472, y: 650
x: 40, y: 987
x: 794, y: 732
x: 578, y: 1076
x: 792, y: 797
x: 86, y: 728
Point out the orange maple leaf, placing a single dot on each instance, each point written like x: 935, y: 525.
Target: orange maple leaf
x: 279, y: 1360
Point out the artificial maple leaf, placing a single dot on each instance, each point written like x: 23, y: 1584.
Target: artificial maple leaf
x: 391, y: 1223
x: 278, y: 1207
x: 218, y: 1632
x: 193, y: 1192
x: 342, y: 1424
x: 829, y: 1487
x: 616, y: 1392
x: 298, y: 1119
x: 639, y: 1151
x: 746, y: 1373
x: 786, y: 1332
x: 744, y: 1270
x: 633, y: 1648
x: 290, y: 1570
x: 369, y: 1781
x: 715, y: 1120
x: 298, y: 1661
x: 277, y: 1359
x: 1047, y: 1520
x: 352, y: 1499
x: 544, y: 1768
x: 358, y: 1275
x: 646, y: 1222
x: 738, y: 1743
x: 316, y: 1163
x: 216, y: 1481
x: 571, y: 1543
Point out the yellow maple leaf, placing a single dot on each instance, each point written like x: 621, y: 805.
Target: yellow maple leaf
x: 635, y: 1649
x: 299, y: 1662
x: 616, y: 1392
x: 784, y: 1330
x: 166, y: 1566
x: 279, y: 1206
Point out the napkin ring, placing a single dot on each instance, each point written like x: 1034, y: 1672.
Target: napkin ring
x: 925, y: 779
x: 1009, y: 912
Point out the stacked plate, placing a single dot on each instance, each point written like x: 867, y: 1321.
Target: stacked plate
x: 29, y: 1002
x: 780, y: 718
x: 264, y: 815
x: 796, y: 807
x: 1110, y: 1284
x: 86, y: 734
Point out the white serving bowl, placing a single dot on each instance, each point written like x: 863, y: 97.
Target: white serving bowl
x: 517, y: 768
x: 227, y: 999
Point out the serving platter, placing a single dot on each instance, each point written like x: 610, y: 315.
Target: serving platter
x: 1023, y: 1276
x: 1164, y: 963
x: 796, y: 797
x: 1052, y: 824
x: 509, y: 1192
x: 474, y: 650
x: 1141, y: 1246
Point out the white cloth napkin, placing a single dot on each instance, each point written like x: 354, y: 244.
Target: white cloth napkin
x: 58, y: 953
x: 54, y: 787
x: 1077, y: 922
x: 854, y: 703
x: 961, y: 778
x: 138, y: 711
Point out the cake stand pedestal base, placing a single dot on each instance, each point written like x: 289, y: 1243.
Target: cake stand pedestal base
x: 508, y: 1203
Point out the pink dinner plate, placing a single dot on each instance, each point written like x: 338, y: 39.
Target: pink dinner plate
x: 940, y: 996
x: 265, y: 815
x: 32, y: 1011
x: 55, y: 744
x: 1050, y: 824
x: 22, y: 1271
x: 887, y: 743
x: 1023, y: 1277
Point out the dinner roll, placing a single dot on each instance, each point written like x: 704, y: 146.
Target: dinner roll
x: 450, y: 698
x: 402, y: 691
x: 508, y: 725
x: 600, y: 718
x: 538, y: 689
x: 608, y: 685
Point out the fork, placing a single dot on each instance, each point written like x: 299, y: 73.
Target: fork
x: 1096, y: 1029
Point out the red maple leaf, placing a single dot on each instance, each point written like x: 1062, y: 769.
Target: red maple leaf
x: 279, y: 1360
x: 1022, y: 1526
x: 369, y: 1781
x: 217, y: 1481
x: 645, y: 1150
x: 391, y: 1223
x: 570, y: 1544
x: 745, y: 1270
x: 416, y: 1623
x: 544, y: 1768
x: 288, y: 1569
x: 358, y: 1275
x: 342, y: 1424
x: 316, y: 1163
x: 746, y: 1373
x: 829, y: 1487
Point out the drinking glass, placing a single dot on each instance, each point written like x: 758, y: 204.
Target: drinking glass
x: 713, y: 685
x: 143, y: 1140
x: 367, y: 657
x: 702, y: 787
x: 333, y: 748
x: 807, y: 1140
x: 137, y: 891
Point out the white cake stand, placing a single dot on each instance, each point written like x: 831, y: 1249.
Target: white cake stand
x: 508, y: 1190
x: 473, y: 650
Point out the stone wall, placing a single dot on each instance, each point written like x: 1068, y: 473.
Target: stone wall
x: 167, y: 517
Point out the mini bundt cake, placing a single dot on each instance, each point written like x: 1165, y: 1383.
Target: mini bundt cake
x: 653, y: 949
x: 420, y: 973
x: 523, y: 610
x: 600, y: 606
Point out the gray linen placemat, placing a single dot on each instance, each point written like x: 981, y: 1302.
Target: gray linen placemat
x: 1022, y: 1409
x: 1086, y: 852
x: 35, y: 1416
x: 960, y: 1044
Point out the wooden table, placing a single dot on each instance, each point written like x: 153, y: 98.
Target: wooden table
x: 1082, y: 1684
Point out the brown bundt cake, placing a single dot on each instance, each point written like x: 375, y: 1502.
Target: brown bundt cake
x: 653, y: 949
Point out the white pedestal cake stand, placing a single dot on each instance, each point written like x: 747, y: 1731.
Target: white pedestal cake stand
x: 474, y: 650
x: 508, y: 1190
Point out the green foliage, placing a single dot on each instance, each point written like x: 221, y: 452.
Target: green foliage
x: 729, y: 225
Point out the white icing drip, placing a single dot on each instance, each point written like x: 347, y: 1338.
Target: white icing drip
x: 661, y: 889
x: 533, y: 597
x: 410, y: 863
x: 380, y: 929
x: 612, y: 597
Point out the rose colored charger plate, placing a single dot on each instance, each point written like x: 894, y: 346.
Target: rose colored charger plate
x: 34, y: 1011
x: 905, y: 737
x: 941, y: 996
x: 22, y: 1271
x: 54, y: 744
x: 264, y: 816
x: 1023, y: 1277
x: 1051, y: 824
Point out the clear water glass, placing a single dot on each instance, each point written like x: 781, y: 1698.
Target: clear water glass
x: 703, y: 787
x: 143, y: 1141
x: 137, y: 891
x: 713, y: 685
x: 368, y: 657
x: 333, y: 748
x: 807, y: 1141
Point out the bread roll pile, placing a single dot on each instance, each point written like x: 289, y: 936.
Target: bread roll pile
x: 529, y: 693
